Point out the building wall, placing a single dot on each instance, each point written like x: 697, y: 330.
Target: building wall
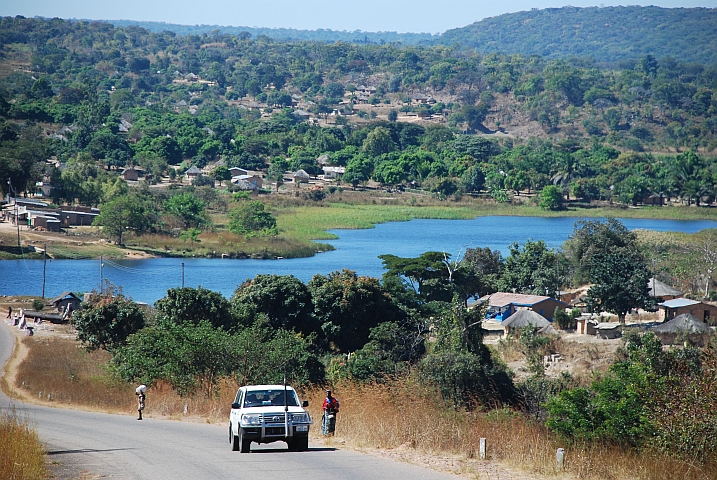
x: 704, y: 311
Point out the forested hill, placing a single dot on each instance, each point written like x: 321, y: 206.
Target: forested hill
x: 320, y: 35
x: 606, y: 34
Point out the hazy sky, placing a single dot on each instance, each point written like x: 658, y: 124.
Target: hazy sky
x: 369, y: 15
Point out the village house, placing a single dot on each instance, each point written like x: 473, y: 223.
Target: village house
x: 65, y: 300
x: 236, y: 171
x: 677, y: 306
x: 523, y: 318
x: 502, y: 305
x: 192, y: 173
x: 662, y: 290
x: 684, y: 327
x: 130, y: 174
x: 254, y: 181
x: 333, y: 172
x: 301, y: 176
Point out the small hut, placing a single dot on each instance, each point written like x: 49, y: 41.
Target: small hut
x: 301, y: 176
x: 65, y: 300
x: 683, y: 327
x: 522, y: 318
x: 608, y: 330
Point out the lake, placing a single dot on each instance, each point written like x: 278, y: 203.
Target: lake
x: 148, y: 280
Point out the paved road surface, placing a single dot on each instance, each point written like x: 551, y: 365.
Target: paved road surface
x: 121, y: 447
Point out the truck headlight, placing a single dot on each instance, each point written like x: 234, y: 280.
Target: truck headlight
x: 301, y: 418
x: 250, y: 420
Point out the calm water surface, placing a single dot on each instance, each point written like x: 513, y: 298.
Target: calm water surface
x: 148, y: 280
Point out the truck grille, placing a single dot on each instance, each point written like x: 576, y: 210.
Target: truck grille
x: 273, y: 417
x: 274, y: 431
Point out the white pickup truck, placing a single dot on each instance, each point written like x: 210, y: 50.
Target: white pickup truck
x: 268, y: 413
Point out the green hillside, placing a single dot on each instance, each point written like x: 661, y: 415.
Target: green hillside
x: 319, y: 35
x: 606, y: 34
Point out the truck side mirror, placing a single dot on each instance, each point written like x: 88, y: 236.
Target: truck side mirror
x: 305, y: 403
x: 235, y: 405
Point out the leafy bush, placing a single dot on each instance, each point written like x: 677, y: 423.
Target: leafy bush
x: 107, y: 321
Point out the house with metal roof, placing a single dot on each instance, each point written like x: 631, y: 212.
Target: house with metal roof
x: 502, y: 305
x: 678, y: 306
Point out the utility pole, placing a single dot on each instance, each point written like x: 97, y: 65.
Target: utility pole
x: 182, y: 274
x: 17, y: 222
x: 44, y: 269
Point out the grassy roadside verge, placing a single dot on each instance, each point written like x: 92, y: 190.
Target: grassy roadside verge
x: 22, y: 456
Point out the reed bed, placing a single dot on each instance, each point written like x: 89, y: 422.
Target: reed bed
x: 22, y: 456
x: 385, y: 416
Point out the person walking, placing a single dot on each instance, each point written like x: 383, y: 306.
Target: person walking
x: 331, y: 409
x: 140, y: 400
x: 9, y: 313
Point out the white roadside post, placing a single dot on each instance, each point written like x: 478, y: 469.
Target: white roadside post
x: 482, y: 449
x: 559, y: 459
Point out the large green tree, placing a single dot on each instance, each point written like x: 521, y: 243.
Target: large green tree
x: 107, y: 321
x: 349, y: 306
x: 279, y: 301
x: 620, y: 284
x: 195, y: 305
x: 124, y: 213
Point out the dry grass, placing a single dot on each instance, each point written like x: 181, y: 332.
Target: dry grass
x: 385, y: 416
x: 392, y: 416
x: 21, y: 453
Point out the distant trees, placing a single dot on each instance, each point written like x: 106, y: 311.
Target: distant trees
x: 250, y: 218
x: 122, y: 214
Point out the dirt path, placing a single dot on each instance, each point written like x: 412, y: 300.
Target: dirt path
x: 8, y: 233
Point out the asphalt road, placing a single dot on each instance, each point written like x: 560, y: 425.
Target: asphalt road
x: 118, y: 446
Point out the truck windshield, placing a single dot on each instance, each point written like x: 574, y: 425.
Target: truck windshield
x: 259, y: 398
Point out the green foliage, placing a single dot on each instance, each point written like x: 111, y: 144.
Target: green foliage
x: 635, y: 31
x: 279, y: 301
x: 195, y: 305
x: 188, y: 209
x: 620, y: 284
x: 38, y: 304
x: 532, y: 269
x: 615, y: 407
x: 125, y: 213
x: 551, y: 198
x: 250, y: 218
x: 348, y: 307
x: 107, y: 321
x: 565, y: 320
x: 591, y: 237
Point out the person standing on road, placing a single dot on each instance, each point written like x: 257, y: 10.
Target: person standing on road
x: 9, y: 313
x: 331, y: 409
x: 140, y: 400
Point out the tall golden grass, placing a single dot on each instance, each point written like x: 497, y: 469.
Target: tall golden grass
x: 22, y: 456
x: 387, y: 416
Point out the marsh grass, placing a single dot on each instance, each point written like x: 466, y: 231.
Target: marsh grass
x: 22, y: 456
x: 387, y: 416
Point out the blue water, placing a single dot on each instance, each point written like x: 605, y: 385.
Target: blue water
x: 148, y: 280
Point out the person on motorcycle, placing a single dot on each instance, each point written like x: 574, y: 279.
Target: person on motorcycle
x: 331, y: 408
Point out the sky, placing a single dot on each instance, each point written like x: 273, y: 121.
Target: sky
x: 433, y: 16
